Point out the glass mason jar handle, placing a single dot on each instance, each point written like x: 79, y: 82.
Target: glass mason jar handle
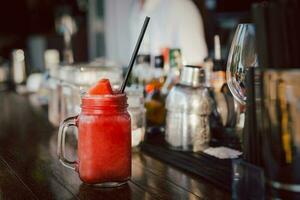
x: 71, y: 121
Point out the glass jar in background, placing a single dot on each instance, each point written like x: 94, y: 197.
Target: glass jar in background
x: 86, y: 75
x: 74, y: 80
x: 60, y: 94
x: 54, y: 101
x: 137, y: 113
x: 66, y: 76
x: 67, y: 84
x: 54, y: 89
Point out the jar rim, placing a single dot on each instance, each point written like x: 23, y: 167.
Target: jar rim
x: 107, y: 101
x: 105, y: 96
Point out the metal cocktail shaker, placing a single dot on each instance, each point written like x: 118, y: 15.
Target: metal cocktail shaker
x: 188, y: 108
x: 281, y: 135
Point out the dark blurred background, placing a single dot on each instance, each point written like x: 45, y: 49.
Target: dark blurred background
x: 30, y: 24
x: 23, y: 22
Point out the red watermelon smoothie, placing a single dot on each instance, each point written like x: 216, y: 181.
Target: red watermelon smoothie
x: 104, y: 143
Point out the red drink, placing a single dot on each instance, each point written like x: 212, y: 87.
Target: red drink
x: 104, y: 142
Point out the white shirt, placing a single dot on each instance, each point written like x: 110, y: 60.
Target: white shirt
x: 173, y: 24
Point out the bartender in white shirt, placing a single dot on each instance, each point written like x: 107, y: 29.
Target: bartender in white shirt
x: 173, y: 24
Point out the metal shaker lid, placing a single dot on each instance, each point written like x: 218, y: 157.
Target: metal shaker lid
x: 193, y: 76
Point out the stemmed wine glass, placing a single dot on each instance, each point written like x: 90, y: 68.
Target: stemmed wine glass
x: 240, y: 74
x: 242, y: 55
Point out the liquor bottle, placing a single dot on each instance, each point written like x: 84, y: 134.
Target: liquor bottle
x: 18, y: 67
x: 155, y: 100
x: 157, y: 74
x: 18, y: 71
x: 175, y: 58
x: 173, y: 73
x: 218, y: 76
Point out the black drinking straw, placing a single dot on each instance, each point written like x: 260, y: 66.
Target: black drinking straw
x: 135, y: 52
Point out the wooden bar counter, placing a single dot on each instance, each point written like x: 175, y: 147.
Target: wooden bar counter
x: 29, y: 168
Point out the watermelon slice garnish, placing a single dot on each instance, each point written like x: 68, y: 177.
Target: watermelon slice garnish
x: 102, y: 87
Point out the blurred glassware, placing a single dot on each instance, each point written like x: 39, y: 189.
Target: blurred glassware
x: 143, y: 64
x: 76, y: 79
x: 51, y: 58
x: 34, y: 82
x: 54, y: 101
x: 281, y: 135
x: 69, y: 82
x: 248, y: 181
x: 4, y: 76
x: 242, y: 55
x: 137, y: 113
x: 35, y: 48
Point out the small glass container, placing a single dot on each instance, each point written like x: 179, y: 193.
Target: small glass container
x: 54, y: 101
x: 75, y: 81
x: 66, y: 75
x: 137, y: 112
x: 54, y: 88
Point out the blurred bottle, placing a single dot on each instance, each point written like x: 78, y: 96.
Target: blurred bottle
x: 218, y: 75
x: 66, y: 26
x: 157, y: 75
x: 174, y: 65
x: 142, y: 72
x: 51, y: 58
x: 155, y: 108
x: 155, y: 101
x: 175, y: 59
x: 137, y: 113
x: 165, y: 53
x: 208, y: 68
x: 18, y: 74
x: 4, y: 74
x: 18, y: 67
